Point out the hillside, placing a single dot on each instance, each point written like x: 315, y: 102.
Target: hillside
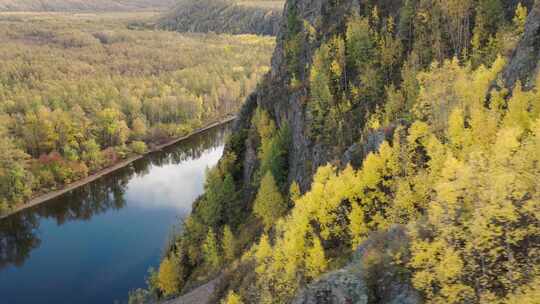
x: 224, y: 16
x: 390, y: 156
x: 83, y: 5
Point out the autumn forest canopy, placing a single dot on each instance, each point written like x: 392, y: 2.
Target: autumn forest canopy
x: 388, y: 153
x: 442, y: 198
x: 81, y: 92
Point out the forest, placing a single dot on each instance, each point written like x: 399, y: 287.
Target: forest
x: 456, y: 167
x: 260, y: 17
x: 78, y: 92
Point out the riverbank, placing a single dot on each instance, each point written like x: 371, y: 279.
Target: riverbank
x: 44, y: 197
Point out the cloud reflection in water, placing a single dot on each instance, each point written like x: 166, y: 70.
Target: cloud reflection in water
x: 172, y: 186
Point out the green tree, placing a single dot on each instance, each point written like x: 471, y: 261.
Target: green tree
x: 38, y: 132
x: 219, y: 196
x: 228, y: 244
x: 406, y: 22
x: 15, y: 180
x: 91, y: 154
x: 139, y: 147
x: 274, y: 155
x: 361, y: 45
x: 211, y: 251
x: 269, y: 204
x: 487, y: 23
x: 112, y: 129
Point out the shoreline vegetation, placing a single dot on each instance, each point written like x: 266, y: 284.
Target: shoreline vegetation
x: 44, y: 197
x: 73, y: 101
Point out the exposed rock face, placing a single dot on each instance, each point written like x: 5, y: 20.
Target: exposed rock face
x: 351, y: 285
x: 200, y: 295
x: 341, y: 287
x: 511, y: 5
x: 287, y: 106
x: 524, y: 63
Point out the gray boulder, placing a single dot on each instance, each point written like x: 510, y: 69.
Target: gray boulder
x: 523, y: 65
x: 358, y: 283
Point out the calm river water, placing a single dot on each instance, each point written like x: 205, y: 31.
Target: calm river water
x: 96, y: 243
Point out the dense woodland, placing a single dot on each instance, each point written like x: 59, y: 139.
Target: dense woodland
x: 260, y: 17
x: 459, y: 168
x: 80, y: 92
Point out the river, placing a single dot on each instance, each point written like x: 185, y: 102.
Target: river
x: 94, y: 244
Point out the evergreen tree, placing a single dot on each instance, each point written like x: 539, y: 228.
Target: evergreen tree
x: 269, y: 204
x: 228, y: 244
x: 211, y: 251
x: 484, y: 40
x: 220, y: 193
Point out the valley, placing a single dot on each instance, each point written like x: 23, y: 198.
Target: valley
x: 80, y: 92
x: 298, y: 151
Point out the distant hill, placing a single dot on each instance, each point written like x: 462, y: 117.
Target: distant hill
x: 224, y: 16
x: 84, y: 5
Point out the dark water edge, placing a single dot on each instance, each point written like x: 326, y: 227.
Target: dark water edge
x: 95, y: 243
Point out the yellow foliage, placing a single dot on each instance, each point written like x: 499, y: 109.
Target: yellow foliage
x: 518, y: 114
x: 263, y: 253
x: 463, y: 177
x: 520, y: 18
x: 169, y: 279
x: 294, y: 192
x: 232, y: 298
x: 315, y: 260
x: 269, y: 204
x: 529, y: 294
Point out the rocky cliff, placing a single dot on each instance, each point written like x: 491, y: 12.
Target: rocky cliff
x: 286, y: 103
x: 523, y: 65
x: 351, y: 285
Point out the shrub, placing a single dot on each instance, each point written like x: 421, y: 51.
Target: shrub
x: 139, y: 147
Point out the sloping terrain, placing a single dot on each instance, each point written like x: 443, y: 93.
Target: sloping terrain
x: 223, y: 16
x: 83, y: 5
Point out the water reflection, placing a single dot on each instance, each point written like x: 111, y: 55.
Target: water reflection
x: 17, y: 239
x: 155, y: 190
x: 20, y: 233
